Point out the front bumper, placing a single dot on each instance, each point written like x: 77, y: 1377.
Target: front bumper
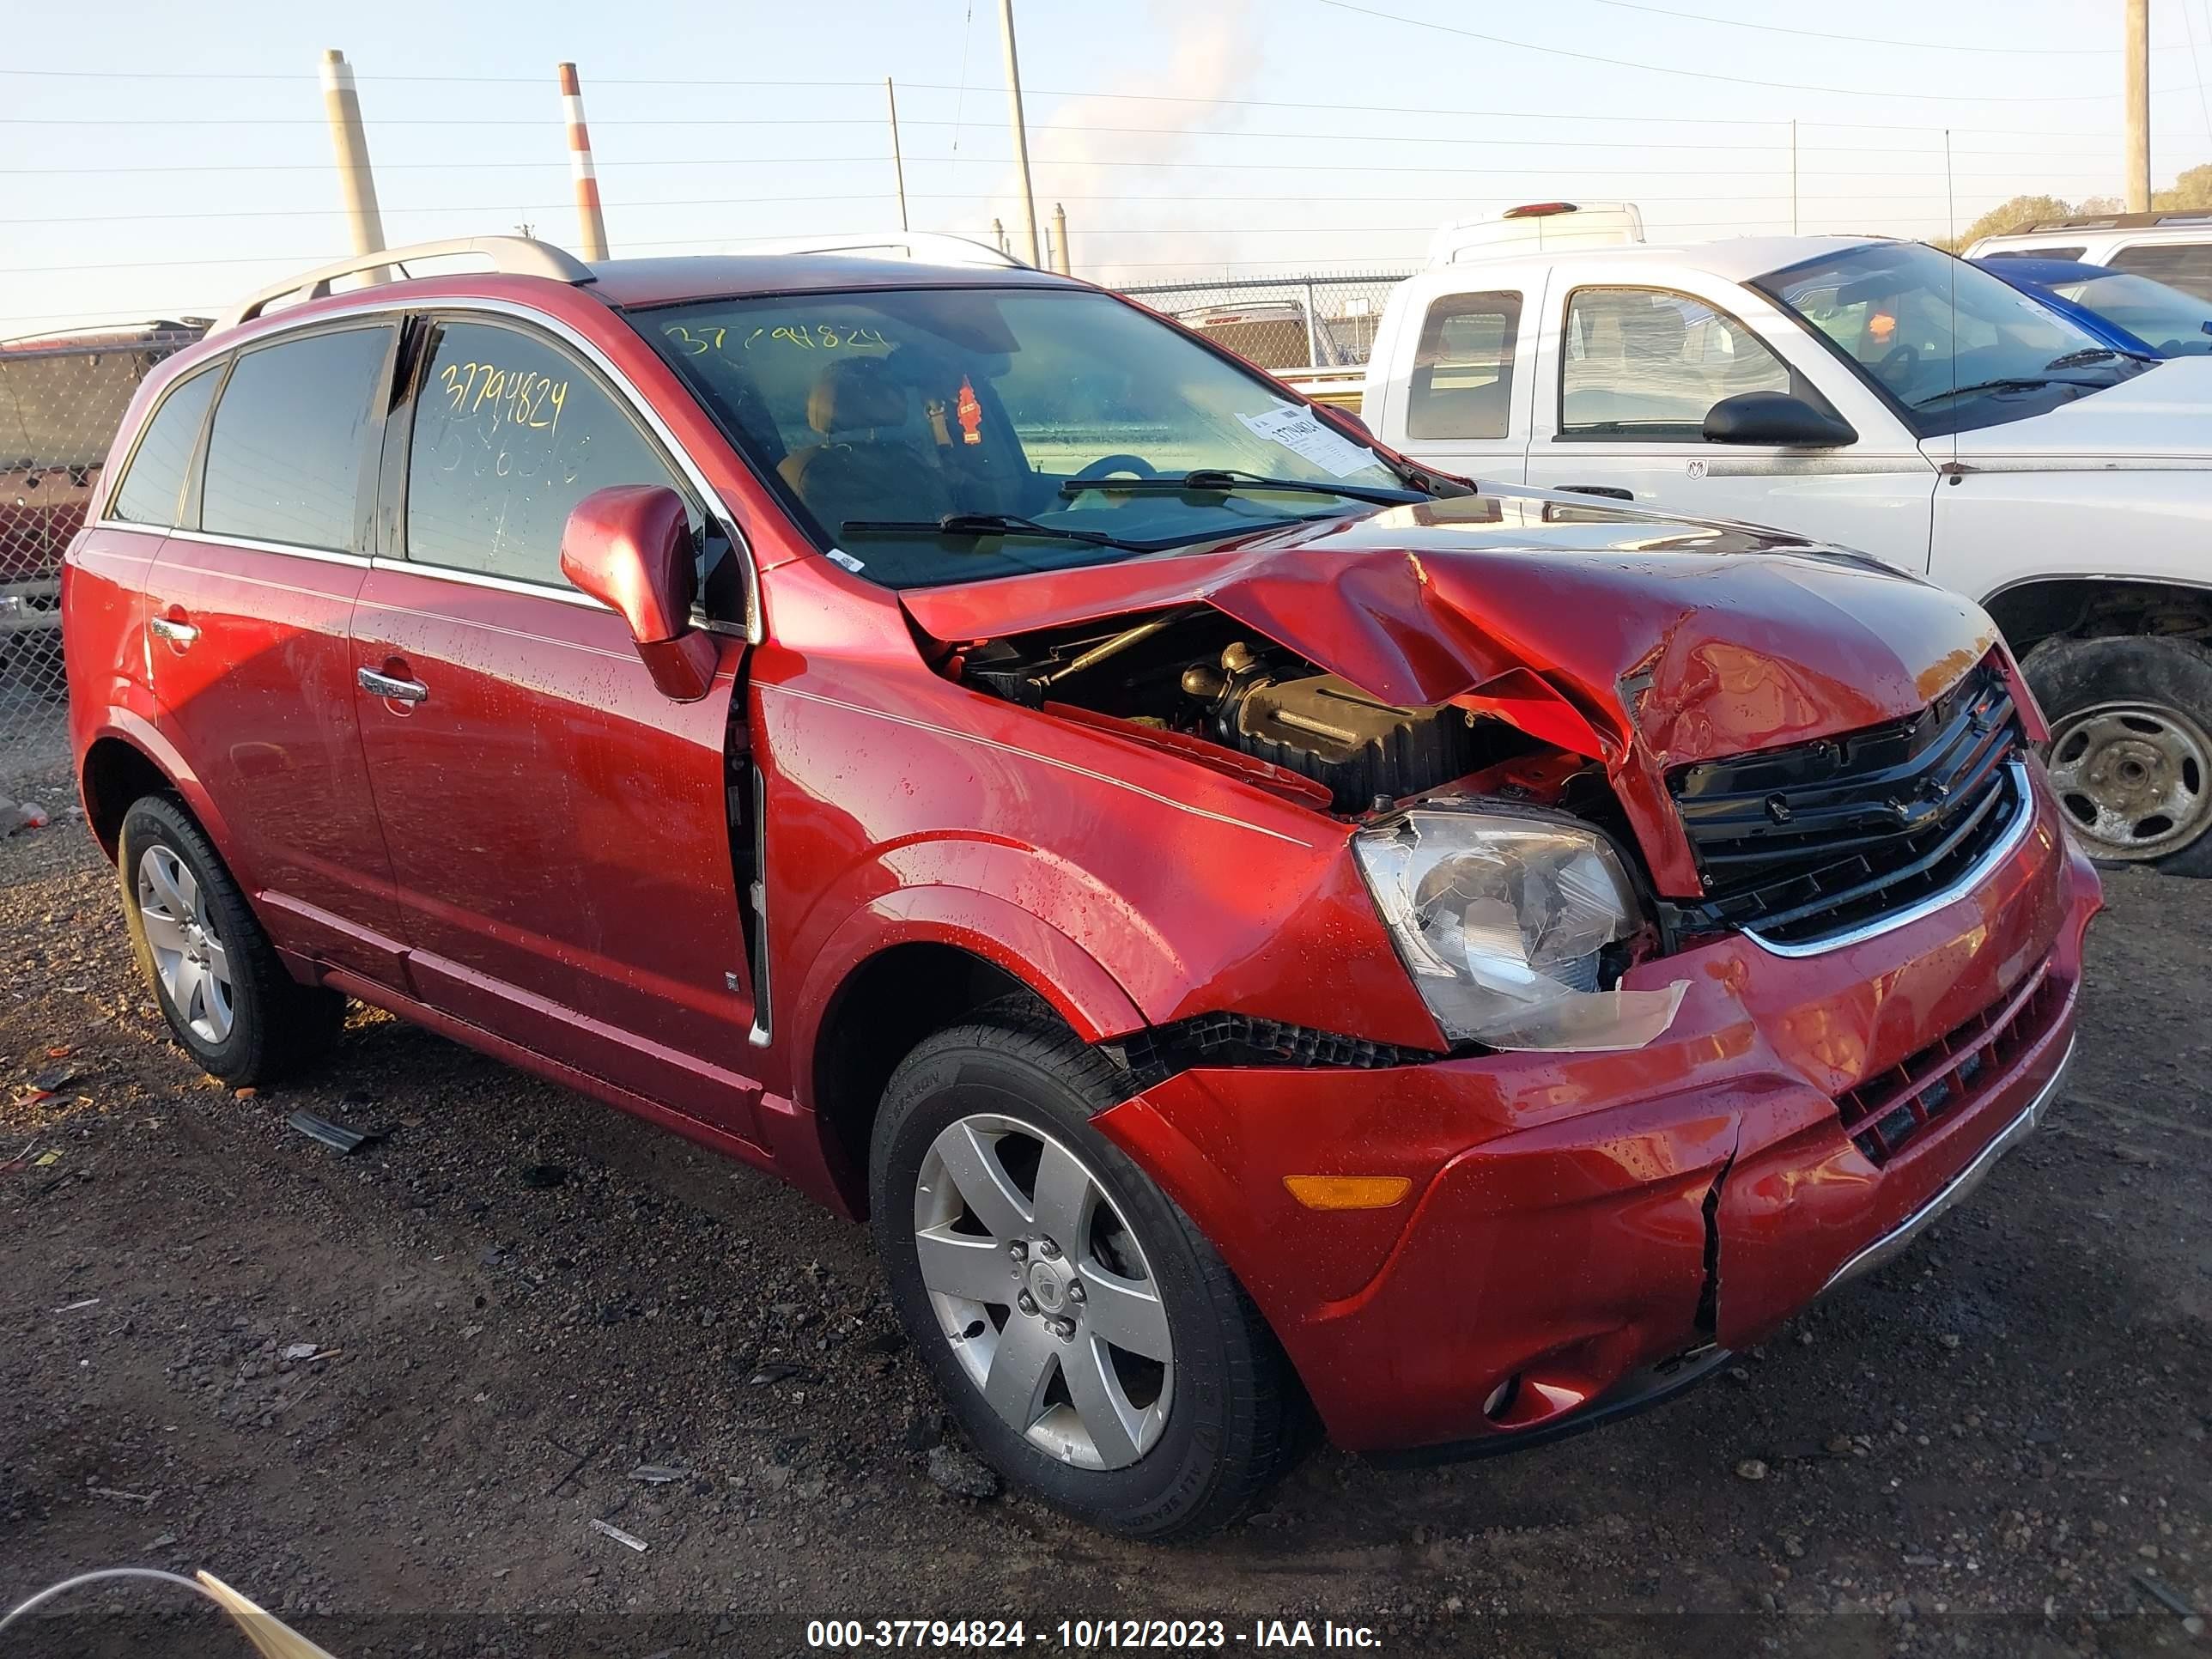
x: 31, y: 607
x: 1582, y: 1224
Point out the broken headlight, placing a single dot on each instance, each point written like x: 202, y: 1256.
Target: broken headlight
x: 1501, y: 918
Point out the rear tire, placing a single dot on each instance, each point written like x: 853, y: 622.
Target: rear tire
x: 2131, y: 746
x: 984, y: 1154
x: 226, y: 994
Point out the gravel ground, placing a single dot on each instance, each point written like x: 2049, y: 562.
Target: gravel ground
x: 518, y: 1298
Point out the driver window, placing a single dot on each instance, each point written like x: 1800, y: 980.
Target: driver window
x: 1646, y: 362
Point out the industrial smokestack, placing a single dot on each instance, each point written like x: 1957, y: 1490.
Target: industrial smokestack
x: 1059, y: 240
x: 591, y: 223
x: 356, y: 183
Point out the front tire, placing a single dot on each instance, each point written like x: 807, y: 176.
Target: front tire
x: 2131, y: 746
x: 226, y: 994
x: 1087, y: 1338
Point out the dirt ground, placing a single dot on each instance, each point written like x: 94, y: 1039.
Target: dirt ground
x: 1995, y: 1445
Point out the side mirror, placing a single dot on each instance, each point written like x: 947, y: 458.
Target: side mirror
x: 1776, y: 417
x: 629, y: 547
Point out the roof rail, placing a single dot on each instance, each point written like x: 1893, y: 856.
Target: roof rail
x: 924, y: 246
x: 2151, y: 221
x: 513, y: 256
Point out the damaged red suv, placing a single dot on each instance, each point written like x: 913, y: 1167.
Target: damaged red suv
x: 1259, y: 929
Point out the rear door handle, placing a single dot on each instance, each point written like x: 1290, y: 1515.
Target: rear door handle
x: 1611, y: 492
x: 174, y: 630
x: 391, y: 688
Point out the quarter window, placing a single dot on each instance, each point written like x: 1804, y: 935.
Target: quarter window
x: 154, y: 487
x: 1645, y: 362
x: 291, y: 440
x: 1462, y: 381
x: 510, y: 434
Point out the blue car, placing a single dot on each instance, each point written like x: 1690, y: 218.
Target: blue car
x: 2128, y: 313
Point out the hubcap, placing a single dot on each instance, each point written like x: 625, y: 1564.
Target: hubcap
x: 189, y: 957
x: 2132, y: 778
x: 1043, y: 1292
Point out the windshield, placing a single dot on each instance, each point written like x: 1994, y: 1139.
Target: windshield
x: 2164, y: 319
x: 947, y: 434
x: 1952, y: 345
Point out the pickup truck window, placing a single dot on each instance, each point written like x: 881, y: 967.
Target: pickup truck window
x: 882, y: 413
x: 1462, y: 381
x: 1951, y: 347
x: 1649, y: 363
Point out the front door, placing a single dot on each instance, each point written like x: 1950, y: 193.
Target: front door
x: 559, y: 830
x: 247, y: 650
x: 1636, y: 369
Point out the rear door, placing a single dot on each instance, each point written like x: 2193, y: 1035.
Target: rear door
x: 247, y: 653
x: 559, y: 831
x: 1625, y: 377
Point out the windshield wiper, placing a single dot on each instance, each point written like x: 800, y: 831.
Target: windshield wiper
x: 1211, y: 480
x: 2088, y: 355
x: 2008, y: 383
x: 977, y: 524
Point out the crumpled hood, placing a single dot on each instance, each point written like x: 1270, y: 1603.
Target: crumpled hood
x: 1666, y: 641
x: 2161, y: 417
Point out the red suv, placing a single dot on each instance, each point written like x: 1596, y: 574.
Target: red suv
x: 1259, y: 927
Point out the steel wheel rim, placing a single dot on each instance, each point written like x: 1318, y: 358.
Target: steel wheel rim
x: 189, y: 958
x: 2135, y: 778
x: 1043, y: 1292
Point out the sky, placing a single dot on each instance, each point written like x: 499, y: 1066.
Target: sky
x: 155, y: 173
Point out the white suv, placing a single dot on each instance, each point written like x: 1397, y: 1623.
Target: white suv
x: 2173, y: 248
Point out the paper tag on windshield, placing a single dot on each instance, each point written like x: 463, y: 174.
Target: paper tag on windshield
x: 1297, y: 431
x: 840, y: 557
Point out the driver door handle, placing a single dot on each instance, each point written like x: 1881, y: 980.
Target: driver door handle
x: 390, y: 688
x: 1611, y: 492
x: 177, y: 631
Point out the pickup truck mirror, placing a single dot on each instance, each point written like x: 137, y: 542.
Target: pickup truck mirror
x: 1776, y: 417
x: 629, y: 546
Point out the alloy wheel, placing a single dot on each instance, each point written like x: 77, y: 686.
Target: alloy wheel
x: 1043, y: 1292
x: 2132, y: 777
x: 189, y: 955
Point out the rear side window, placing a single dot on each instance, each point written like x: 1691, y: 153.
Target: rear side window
x: 2184, y: 265
x: 510, y: 434
x: 154, y: 487
x: 289, y: 446
x: 2074, y: 253
x: 1463, y: 382
x: 1646, y: 362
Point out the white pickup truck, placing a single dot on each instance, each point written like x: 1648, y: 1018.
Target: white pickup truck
x: 1883, y: 396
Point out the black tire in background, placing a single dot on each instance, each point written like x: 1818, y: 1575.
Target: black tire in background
x: 276, y: 1023
x: 1234, y: 1419
x: 2131, y: 731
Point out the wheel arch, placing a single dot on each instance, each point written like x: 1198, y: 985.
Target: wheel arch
x: 2038, y: 609
x: 914, y: 961
x: 130, y: 758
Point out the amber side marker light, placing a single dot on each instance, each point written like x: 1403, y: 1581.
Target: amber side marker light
x: 1348, y: 1192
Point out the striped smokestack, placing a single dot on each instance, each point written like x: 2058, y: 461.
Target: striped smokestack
x: 591, y: 224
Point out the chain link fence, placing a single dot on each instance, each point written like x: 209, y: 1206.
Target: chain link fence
x: 61, y: 401
x: 1279, y: 323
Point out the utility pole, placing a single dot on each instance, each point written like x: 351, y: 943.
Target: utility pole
x: 591, y: 223
x: 356, y: 182
x: 1021, y: 130
x: 899, y: 165
x: 2137, y: 55
x: 1060, y: 259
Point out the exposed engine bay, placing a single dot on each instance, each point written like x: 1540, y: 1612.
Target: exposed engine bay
x: 1196, y: 672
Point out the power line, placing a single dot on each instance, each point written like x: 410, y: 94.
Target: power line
x: 871, y: 87
x: 1708, y: 75
x: 1864, y: 40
